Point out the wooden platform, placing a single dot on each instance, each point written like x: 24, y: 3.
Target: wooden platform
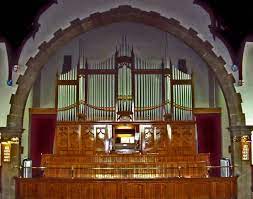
x: 171, y: 188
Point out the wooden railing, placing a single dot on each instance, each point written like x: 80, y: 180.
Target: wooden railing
x: 128, y: 171
x: 125, y: 166
x: 54, y: 159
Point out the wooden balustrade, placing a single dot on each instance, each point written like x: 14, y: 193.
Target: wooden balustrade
x: 128, y: 171
x: 49, y: 159
x: 125, y: 166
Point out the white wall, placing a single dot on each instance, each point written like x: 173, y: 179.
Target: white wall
x: 59, y: 15
x: 5, y: 94
x: 247, y: 89
x: 5, y: 90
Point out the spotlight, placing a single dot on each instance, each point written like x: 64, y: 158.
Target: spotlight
x: 9, y: 82
x: 234, y: 67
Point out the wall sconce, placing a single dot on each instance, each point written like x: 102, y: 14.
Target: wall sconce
x: 245, y: 147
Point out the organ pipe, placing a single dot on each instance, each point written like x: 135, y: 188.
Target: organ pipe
x: 128, y: 85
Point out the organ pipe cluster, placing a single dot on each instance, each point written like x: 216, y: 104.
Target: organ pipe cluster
x: 124, y: 84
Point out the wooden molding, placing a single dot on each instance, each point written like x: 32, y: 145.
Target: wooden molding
x: 206, y: 110
x: 42, y: 111
x: 161, y: 122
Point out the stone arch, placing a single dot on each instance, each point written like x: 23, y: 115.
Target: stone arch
x: 125, y: 14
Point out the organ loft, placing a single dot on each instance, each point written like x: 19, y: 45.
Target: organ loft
x: 125, y: 127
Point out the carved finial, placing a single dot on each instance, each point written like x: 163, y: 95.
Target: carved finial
x: 116, y: 52
x: 86, y: 62
x: 170, y: 63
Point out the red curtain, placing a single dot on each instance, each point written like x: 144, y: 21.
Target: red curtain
x: 42, y: 136
x: 209, y: 135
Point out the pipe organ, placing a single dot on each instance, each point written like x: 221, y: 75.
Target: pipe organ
x: 124, y: 87
x: 125, y: 129
x: 123, y: 120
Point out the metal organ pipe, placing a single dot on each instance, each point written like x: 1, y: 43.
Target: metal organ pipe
x: 166, y: 94
x: 100, y: 96
x: 104, y: 84
x: 105, y: 100
x: 149, y: 95
x: 95, y: 99
x: 67, y: 96
x: 180, y: 95
x: 153, y: 96
x: 159, y: 97
x: 151, y: 77
x: 68, y: 99
x: 156, y: 96
x: 136, y: 96
x: 143, y: 96
x: 92, y: 97
x: 64, y: 101
x: 175, y: 96
x: 140, y: 96
x: 148, y: 102
x: 59, y: 113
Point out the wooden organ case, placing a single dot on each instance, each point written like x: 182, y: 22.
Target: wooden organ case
x: 150, y: 104
x: 93, y: 100
x: 127, y: 119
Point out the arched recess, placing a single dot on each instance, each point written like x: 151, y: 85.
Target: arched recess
x: 125, y: 14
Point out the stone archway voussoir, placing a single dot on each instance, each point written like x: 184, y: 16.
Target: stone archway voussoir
x: 124, y: 14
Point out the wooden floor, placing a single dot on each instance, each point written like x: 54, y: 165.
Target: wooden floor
x: 171, y: 188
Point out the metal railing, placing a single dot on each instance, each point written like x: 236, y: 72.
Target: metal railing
x: 129, y: 172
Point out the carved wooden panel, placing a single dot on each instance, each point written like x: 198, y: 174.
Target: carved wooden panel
x: 176, y: 188
x: 61, y: 137
x: 179, y: 139
x: 74, y: 135
x: 149, y: 138
x: 101, y: 135
x: 74, y: 139
x: 133, y: 190
x: 161, y: 138
x: 87, y: 139
x: 183, y: 139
